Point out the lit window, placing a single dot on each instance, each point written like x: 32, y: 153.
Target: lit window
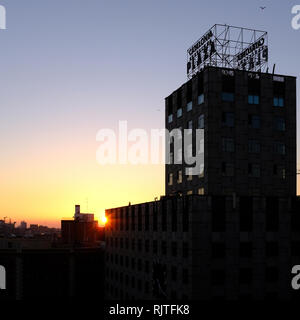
x: 201, y: 174
x: 189, y: 177
x: 201, y: 122
x: 189, y: 106
x: 253, y: 99
x: 201, y: 98
x: 201, y: 191
x: 190, y: 192
x: 179, y: 176
x: 278, y: 102
x: 228, y: 96
x: 179, y: 113
x: 170, y: 179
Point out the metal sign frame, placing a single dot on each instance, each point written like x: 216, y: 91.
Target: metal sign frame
x: 229, y: 47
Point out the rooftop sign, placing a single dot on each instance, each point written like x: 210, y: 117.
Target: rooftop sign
x: 229, y: 47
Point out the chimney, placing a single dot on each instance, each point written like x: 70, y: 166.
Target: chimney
x: 77, y: 210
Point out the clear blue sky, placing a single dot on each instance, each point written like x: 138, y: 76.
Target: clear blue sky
x: 72, y: 67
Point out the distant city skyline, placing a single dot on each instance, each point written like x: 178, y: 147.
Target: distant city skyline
x: 72, y: 68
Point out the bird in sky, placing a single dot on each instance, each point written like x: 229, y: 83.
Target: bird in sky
x: 263, y: 8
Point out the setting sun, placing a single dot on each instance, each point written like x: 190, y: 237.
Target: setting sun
x: 103, y: 219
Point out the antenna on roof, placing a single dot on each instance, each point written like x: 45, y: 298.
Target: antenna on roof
x: 274, y: 68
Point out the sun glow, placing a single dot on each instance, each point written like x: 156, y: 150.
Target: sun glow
x: 103, y: 219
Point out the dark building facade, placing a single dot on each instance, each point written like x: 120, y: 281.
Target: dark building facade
x: 82, y: 231
x: 249, y: 122
x: 53, y: 273
x: 203, y: 247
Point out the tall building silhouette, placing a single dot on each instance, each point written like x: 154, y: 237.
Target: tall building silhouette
x: 249, y: 123
x: 232, y: 230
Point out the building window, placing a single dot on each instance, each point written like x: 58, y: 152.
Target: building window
x: 272, y: 214
x: 282, y: 173
x: 201, y: 191
x: 169, y: 102
x: 228, y: 145
x: 246, y: 249
x: 201, y: 122
x: 271, y: 274
x: 280, y: 148
x: 139, y: 265
x: 218, y: 277
x: 227, y: 169
x: 179, y: 176
x: 146, y: 266
x: 218, y: 214
x: 218, y: 250
x: 253, y: 99
x: 185, y: 276
x: 272, y: 249
x: 254, y: 121
x: 228, y: 88
x: 189, y: 177
x: 174, y: 249
x: 146, y: 287
x: 201, y: 175
x: 185, y: 250
x: 154, y: 246
x: 253, y: 146
x: 133, y: 263
x: 245, y: 276
x: 278, y: 102
x: 279, y: 124
x: 201, y: 99
x: 179, y: 113
x: 189, y: 106
x: 147, y: 245
x: 164, y: 247
x: 254, y: 170
x: 170, y: 179
x: 228, y: 119
x: 139, y: 218
x: 147, y: 217
x: 139, y: 245
x: 227, y: 96
x: 174, y: 273
x: 190, y: 124
x: 190, y: 192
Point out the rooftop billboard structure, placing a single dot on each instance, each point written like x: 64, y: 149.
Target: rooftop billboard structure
x: 229, y: 47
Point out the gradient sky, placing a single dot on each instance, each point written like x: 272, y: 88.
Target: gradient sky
x: 72, y: 67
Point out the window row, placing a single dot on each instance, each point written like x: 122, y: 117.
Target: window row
x: 141, y: 246
x: 228, y: 145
